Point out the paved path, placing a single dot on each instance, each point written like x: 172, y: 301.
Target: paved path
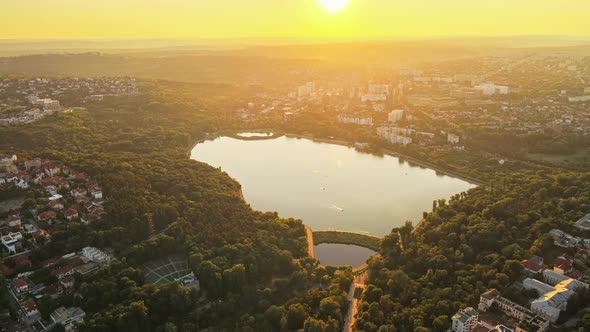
x: 309, y: 235
x: 359, y: 281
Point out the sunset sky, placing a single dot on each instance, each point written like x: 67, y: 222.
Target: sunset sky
x: 57, y: 19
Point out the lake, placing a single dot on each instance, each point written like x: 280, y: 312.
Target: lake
x: 328, y: 186
x: 342, y: 254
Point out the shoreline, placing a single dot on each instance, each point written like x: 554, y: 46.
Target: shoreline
x: 400, y: 156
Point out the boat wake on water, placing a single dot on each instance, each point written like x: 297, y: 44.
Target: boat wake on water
x: 334, y: 207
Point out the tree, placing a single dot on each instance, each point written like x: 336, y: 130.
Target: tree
x: 296, y: 316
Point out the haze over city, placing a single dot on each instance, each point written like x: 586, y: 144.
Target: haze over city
x: 174, y: 19
x: 295, y: 165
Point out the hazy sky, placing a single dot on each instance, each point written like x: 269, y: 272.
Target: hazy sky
x: 289, y: 18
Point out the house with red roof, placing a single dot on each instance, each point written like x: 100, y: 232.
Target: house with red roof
x: 54, y: 291
x: 47, y: 215
x: 71, y: 214
x: 56, y: 205
x: 51, y: 169
x: 23, y: 261
x: 20, y: 286
x: 37, y: 175
x: 51, y: 261
x: 30, y: 308
x: 533, y: 264
x: 5, y: 270
x: 67, y: 282
x: 562, y: 265
x: 82, y: 199
x: 78, y: 192
x: 63, y: 271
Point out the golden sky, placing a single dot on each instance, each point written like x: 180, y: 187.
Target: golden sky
x: 289, y: 18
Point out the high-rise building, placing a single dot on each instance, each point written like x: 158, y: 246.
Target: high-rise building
x: 395, y: 116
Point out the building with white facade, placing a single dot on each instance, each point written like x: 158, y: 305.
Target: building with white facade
x: 465, y: 320
x: 395, y: 116
x: 392, y: 135
x: 305, y: 90
x: 583, y: 223
x: 47, y: 103
x: 379, y: 89
x: 553, y: 299
x: 96, y: 255
x: 10, y: 241
x: 490, y: 89
x: 453, y: 139
x: 362, y: 121
x: 493, y: 297
x: 373, y: 97
x: 68, y: 316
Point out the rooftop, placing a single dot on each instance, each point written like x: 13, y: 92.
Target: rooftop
x: 583, y: 223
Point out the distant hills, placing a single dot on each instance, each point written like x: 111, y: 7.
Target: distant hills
x: 246, y: 60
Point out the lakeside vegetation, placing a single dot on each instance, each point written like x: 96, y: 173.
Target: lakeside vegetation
x: 361, y: 240
x: 468, y: 244
x: 252, y: 266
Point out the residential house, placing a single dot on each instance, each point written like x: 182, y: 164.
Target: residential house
x: 30, y: 308
x: 20, y: 286
x: 55, y: 205
x: 68, y: 316
x: 62, y: 272
x: 562, y: 265
x: 533, y: 264
x: 23, y: 261
x: 465, y: 320
x: 12, y: 242
x: 71, y: 214
x: 46, y: 216
x: 67, y: 282
x: 583, y: 223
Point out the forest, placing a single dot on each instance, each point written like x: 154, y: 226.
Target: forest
x: 467, y: 245
x: 252, y: 266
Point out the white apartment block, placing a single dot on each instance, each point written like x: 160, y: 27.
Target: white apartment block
x: 395, y: 116
x: 453, y: 139
x: 96, y: 255
x: 465, y: 320
x: 490, y: 89
x: 392, y: 135
x: 362, y: 121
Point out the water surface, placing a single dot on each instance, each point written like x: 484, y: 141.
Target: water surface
x: 342, y: 254
x: 330, y: 187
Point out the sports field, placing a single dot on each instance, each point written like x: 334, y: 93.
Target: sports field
x: 165, y: 270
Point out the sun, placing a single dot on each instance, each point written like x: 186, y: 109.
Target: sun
x: 333, y: 6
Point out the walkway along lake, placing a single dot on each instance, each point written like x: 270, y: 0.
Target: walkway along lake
x: 328, y: 186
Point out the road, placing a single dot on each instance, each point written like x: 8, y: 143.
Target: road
x: 359, y: 281
x: 309, y: 235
